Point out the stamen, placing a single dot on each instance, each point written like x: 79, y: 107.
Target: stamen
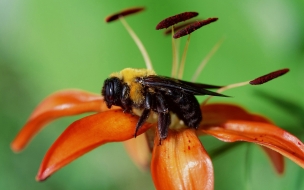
x: 182, y: 64
x: 265, y: 78
x: 178, y: 27
x: 138, y: 43
x: 226, y: 88
x: 257, y: 81
x: 206, y: 59
x: 174, y: 56
x: 175, y: 19
x: 191, y: 28
x: 125, y: 12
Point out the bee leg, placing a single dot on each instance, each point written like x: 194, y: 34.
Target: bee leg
x: 148, y: 101
x: 124, y: 98
x: 164, y: 119
x: 162, y: 105
x: 144, y: 116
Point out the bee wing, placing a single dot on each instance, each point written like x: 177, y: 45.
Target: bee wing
x: 159, y: 82
x: 199, y: 85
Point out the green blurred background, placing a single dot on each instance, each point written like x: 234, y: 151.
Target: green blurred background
x: 47, y: 46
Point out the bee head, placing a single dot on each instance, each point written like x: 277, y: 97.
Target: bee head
x: 111, y: 91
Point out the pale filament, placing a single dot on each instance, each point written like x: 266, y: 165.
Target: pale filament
x: 224, y: 88
x: 206, y: 59
x: 138, y: 43
x: 174, y: 56
x: 182, y: 63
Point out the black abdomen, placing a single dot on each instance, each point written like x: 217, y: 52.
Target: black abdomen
x: 186, y: 107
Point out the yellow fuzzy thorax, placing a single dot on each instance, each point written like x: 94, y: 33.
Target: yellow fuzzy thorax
x: 128, y: 76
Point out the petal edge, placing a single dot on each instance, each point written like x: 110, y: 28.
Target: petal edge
x: 60, y: 104
x: 181, y: 162
x: 86, y: 134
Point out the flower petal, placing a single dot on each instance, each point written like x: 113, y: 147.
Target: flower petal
x: 276, y: 159
x: 139, y: 151
x: 260, y: 133
x: 181, y: 162
x: 219, y: 113
x: 59, y: 104
x: 86, y: 134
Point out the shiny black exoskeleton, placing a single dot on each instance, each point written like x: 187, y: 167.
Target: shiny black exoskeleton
x: 161, y: 95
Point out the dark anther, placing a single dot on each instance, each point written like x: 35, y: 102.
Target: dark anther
x: 268, y: 77
x: 192, y: 27
x: 175, y: 19
x: 125, y: 12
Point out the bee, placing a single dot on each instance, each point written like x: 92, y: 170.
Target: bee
x: 144, y: 90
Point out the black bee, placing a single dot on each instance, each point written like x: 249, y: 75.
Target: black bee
x: 144, y: 90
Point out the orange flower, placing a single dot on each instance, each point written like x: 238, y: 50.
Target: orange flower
x: 180, y: 160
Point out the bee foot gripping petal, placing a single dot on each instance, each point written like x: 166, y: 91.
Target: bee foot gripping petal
x: 142, y: 120
x: 164, y: 120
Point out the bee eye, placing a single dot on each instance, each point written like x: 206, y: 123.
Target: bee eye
x: 111, y: 91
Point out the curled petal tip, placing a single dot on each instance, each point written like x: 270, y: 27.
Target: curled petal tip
x: 276, y: 159
x: 42, y: 176
x: 232, y: 123
x: 60, y: 104
x: 260, y: 133
x: 15, y: 147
